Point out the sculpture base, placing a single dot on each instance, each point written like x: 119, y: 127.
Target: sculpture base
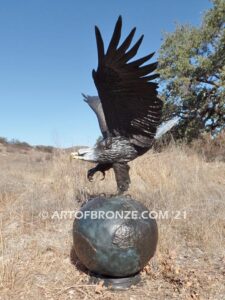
x: 114, y: 238
x: 113, y: 283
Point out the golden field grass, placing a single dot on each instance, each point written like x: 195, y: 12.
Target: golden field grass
x: 36, y: 257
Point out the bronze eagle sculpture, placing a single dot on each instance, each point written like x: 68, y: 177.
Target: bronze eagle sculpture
x: 128, y: 108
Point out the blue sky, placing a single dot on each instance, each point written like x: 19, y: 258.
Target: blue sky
x: 47, y: 54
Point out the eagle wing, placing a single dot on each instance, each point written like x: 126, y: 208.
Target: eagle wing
x: 96, y: 105
x: 129, y: 98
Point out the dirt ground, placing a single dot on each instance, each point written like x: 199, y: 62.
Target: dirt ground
x: 36, y: 251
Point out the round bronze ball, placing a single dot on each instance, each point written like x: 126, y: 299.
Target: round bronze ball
x: 114, y: 236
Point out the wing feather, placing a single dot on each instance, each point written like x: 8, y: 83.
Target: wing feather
x: 133, y: 51
x: 139, y: 62
x: 116, y: 37
x: 126, y: 44
x: 129, y: 98
x: 100, y: 45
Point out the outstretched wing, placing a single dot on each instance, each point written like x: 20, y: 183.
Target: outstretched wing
x: 129, y: 98
x: 96, y: 105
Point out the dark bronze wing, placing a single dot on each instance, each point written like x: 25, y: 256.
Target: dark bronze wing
x: 129, y: 98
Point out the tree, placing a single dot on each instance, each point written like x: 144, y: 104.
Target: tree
x: 192, y: 69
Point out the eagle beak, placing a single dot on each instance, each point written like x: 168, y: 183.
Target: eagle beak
x: 74, y: 155
x: 83, y: 154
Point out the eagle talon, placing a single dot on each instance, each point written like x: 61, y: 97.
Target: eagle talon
x: 90, y: 178
x: 103, y: 174
x: 92, y: 172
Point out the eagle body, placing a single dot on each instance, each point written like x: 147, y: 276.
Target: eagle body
x: 127, y: 106
x: 119, y: 150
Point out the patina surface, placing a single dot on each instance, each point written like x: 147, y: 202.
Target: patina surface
x: 116, y: 246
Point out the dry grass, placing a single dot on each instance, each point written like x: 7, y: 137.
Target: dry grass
x: 211, y: 149
x: 35, y: 245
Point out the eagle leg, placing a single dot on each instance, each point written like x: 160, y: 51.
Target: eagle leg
x: 122, y: 177
x: 99, y: 168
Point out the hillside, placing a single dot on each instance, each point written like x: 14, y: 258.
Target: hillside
x: 36, y: 244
